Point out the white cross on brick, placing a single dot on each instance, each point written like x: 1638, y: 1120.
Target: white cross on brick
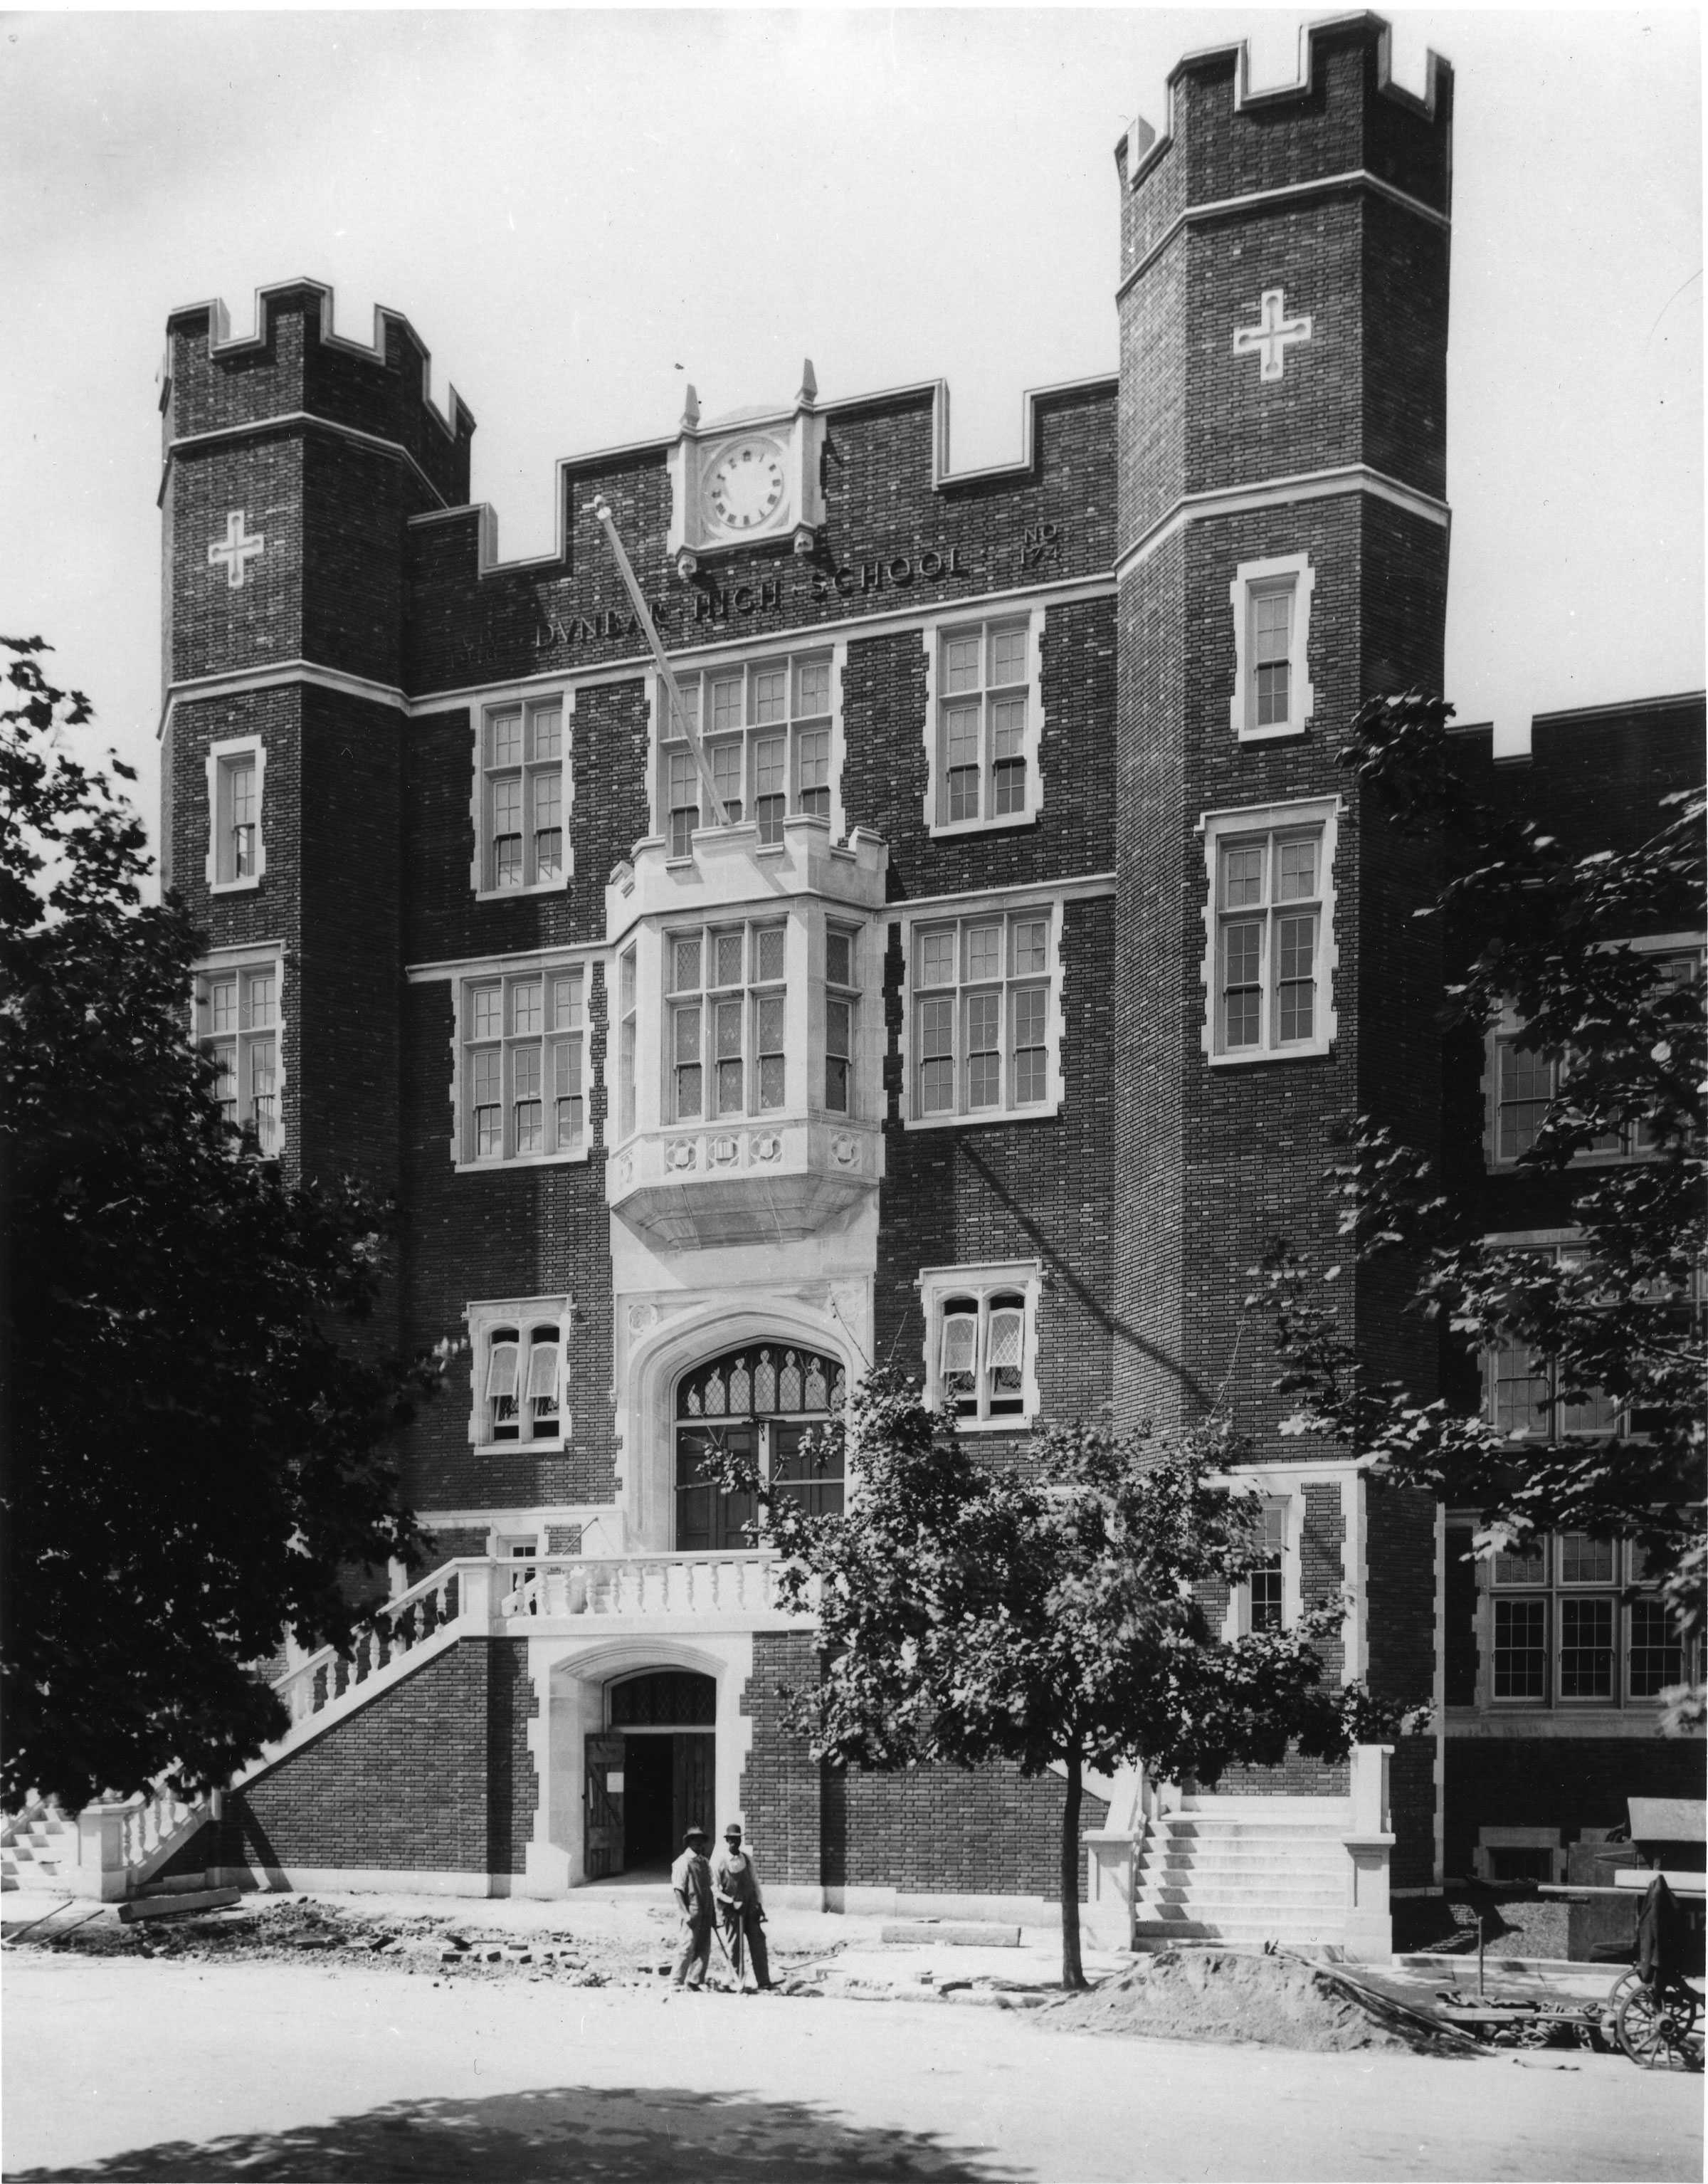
x: 1269, y: 339
x: 234, y: 549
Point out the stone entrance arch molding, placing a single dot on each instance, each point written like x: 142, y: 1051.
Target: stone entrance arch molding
x: 656, y: 1358
x: 568, y: 1678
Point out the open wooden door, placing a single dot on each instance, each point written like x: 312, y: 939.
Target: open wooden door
x: 602, y: 1803
x: 692, y: 1788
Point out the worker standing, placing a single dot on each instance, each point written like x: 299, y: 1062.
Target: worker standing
x: 741, y: 1906
x: 691, y: 1877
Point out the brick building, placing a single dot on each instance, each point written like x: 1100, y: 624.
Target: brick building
x: 985, y: 1006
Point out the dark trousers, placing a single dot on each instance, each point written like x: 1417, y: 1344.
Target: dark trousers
x: 744, y: 1925
x: 694, y: 1958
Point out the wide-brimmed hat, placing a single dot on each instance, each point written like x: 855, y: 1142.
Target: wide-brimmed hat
x: 693, y: 1835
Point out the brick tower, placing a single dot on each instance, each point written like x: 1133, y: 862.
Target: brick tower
x: 294, y: 461
x: 1281, y: 556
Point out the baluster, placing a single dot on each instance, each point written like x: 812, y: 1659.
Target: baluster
x: 319, y: 1689
x: 452, y: 1597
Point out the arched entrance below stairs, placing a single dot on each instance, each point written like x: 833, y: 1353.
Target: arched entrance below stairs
x: 651, y: 1770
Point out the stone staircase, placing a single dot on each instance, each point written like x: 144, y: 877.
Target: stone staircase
x: 1242, y: 1876
x: 38, y: 1848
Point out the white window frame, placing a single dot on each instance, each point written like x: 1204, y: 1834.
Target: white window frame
x: 1285, y: 1496
x: 225, y: 758
x: 482, y: 869
x: 1221, y: 829
x: 508, y: 973
x: 937, y: 1285
x: 935, y: 636
x: 1293, y: 574
x: 1538, y: 1838
x: 750, y: 664
x: 961, y: 912
x: 1620, y: 1591
x: 752, y: 994
x: 522, y: 1315
x: 1507, y: 1036
x: 240, y: 964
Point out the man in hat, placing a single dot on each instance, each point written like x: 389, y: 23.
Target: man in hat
x: 741, y: 1905
x: 691, y: 1877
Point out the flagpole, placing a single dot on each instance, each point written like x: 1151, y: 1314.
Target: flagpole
x: 673, y: 695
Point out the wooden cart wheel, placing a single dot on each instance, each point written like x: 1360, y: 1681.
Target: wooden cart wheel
x: 1654, y: 2031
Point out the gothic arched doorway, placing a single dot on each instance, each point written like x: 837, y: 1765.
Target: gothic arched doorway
x: 651, y: 1771
x: 761, y: 1402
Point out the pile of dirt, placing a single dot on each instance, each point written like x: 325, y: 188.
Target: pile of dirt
x: 1210, y: 1994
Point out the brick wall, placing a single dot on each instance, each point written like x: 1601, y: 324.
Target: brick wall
x: 1565, y: 1782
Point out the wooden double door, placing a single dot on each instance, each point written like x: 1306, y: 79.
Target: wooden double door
x: 651, y: 1774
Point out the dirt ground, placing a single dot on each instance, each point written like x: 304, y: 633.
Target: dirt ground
x: 329, y: 2064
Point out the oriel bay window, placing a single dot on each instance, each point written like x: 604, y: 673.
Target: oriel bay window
x: 981, y: 1016
x: 237, y: 1027
x: 520, y: 797
x: 769, y: 1404
x: 523, y: 1064
x: 766, y: 730
x: 728, y: 1005
x: 842, y: 1001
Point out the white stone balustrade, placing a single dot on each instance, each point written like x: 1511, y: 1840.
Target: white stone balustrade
x: 735, y: 1586
x: 122, y: 1840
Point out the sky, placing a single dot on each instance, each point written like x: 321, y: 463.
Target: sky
x: 581, y: 211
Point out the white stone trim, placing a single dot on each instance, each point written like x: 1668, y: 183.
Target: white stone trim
x: 284, y: 420
x: 219, y: 757
x: 1350, y: 178
x: 932, y: 634
x: 481, y: 1319
x: 283, y: 674
x: 562, y: 955
x: 1287, y: 1481
x: 1323, y: 812
x: 982, y: 1279
x: 1004, y: 901
x: 1278, y: 493
x: 1293, y: 574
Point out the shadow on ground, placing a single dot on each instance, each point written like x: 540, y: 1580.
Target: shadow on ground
x: 597, y: 2135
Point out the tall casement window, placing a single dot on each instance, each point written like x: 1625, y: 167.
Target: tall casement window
x: 1272, y: 693
x: 1523, y: 1084
x: 1568, y: 1620
x: 628, y: 1033
x: 1526, y: 1394
x: 986, y: 717
x: 1265, y: 1603
x: 522, y: 796
x: 981, y: 1343
x: 761, y: 1403
x: 238, y: 1027
x: 842, y: 1005
x: 524, y: 1066
x: 236, y: 855
x: 767, y: 729
x: 982, y: 1017
x: 727, y: 998
x: 1270, y: 959
x: 518, y: 1373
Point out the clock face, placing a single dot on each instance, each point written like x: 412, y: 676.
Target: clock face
x: 744, y: 487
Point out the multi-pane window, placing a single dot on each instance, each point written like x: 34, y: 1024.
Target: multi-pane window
x: 522, y: 795
x: 238, y: 1027
x: 1528, y: 1399
x: 981, y: 1015
x: 1264, y: 1583
x: 1271, y: 607
x: 842, y: 1001
x: 769, y: 1405
x: 518, y: 1374
x: 765, y: 729
x: 524, y: 1064
x: 1558, y: 1616
x: 1527, y: 1085
x: 234, y: 778
x: 628, y: 1029
x: 1269, y: 892
x: 983, y: 692
x: 982, y: 1355
x: 726, y: 1016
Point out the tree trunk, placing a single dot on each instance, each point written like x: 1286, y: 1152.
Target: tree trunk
x: 1073, y: 1971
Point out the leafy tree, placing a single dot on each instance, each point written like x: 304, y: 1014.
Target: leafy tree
x: 1546, y: 930
x: 968, y: 1613
x: 193, y: 1454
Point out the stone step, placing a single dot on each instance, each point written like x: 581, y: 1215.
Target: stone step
x: 1281, y: 1888
x: 1251, y: 1831
x: 1243, y: 1854
x: 1245, y: 1931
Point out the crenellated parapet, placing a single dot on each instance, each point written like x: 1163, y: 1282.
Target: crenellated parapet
x: 1343, y: 120
x: 295, y: 366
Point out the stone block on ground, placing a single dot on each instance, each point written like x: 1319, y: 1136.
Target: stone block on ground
x: 960, y: 1934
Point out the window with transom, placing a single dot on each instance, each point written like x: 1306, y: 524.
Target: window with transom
x: 769, y: 1404
x: 981, y: 1007
x: 1270, y: 932
x: 726, y: 1005
x: 981, y: 1354
x: 1273, y: 694
x: 518, y: 1373
x: 983, y: 738
x: 521, y: 797
x: 524, y: 1066
x: 237, y: 768
x: 766, y: 728
x: 238, y: 1029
